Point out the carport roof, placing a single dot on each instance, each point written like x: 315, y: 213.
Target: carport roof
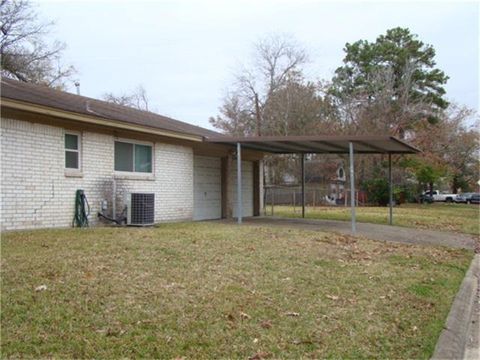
x: 320, y: 144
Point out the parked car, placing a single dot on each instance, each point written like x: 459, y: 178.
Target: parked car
x: 475, y: 199
x: 441, y: 195
x: 464, y: 198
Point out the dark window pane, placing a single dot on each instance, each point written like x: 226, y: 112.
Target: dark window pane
x: 71, y: 160
x: 71, y: 142
x: 143, y: 158
x: 123, y: 156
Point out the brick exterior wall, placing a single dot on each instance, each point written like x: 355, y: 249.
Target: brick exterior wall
x: 36, y: 192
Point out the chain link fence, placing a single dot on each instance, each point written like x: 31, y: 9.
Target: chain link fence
x: 315, y: 195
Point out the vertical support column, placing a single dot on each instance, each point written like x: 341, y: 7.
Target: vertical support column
x: 239, y: 183
x: 256, y: 188
x: 224, y: 186
x: 390, y: 190
x: 303, y: 185
x: 114, y: 198
x: 352, y: 190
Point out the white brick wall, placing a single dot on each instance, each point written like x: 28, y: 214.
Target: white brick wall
x: 36, y: 193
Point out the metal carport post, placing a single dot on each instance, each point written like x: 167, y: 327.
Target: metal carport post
x: 303, y: 185
x: 390, y: 190
x: 239, y: 183
x: 352, y: 189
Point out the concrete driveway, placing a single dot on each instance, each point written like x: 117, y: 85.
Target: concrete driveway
x: 373, y: 231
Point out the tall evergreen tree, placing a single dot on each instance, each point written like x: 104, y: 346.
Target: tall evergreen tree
x: 394, y: 77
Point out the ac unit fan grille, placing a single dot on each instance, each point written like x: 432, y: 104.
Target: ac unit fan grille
x: 142, y: 209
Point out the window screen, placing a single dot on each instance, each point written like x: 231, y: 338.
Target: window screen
x: 143, y: 158
x: 133, y: 157
x: 72, y: 151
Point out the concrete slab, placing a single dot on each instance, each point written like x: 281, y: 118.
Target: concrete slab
x: 461, y: 323
x: 374, y: 231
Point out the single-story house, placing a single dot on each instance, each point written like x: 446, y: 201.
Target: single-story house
x: 138, y: 166
x: 54, y: 143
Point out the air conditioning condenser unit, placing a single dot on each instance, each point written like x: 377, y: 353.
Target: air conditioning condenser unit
x: 140, y: 209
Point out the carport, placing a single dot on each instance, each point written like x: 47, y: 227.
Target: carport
x: 303, y: 145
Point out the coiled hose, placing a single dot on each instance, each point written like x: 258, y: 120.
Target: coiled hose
x: 82, y: 210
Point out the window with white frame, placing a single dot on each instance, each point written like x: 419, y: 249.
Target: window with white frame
x: 72, y: 151
x: 133, y: 157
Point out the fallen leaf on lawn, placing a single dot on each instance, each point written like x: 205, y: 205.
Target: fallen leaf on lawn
x: 332, y: 297
x: 299, y: 342
x: 414, y: 328
x: 291, y: 313
x: 260, y: 355
x: 255, y: 340
x: 266, y: 324
x: 41, y: 288
x: 114, y: 332
x: 245, y: 316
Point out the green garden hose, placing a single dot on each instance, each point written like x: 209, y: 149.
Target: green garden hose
x: 82, y: 210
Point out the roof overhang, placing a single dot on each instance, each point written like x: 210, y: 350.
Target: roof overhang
x: 90, y: 119
x: 320, y: 144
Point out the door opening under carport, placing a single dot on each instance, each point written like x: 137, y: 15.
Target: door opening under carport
x: 303, y: 145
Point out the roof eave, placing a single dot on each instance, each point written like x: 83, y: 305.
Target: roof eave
x: 96, y: 120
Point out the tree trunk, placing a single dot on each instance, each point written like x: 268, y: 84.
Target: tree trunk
x: 257, y: 114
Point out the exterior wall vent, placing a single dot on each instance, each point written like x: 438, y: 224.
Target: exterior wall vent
x: 140, y: 209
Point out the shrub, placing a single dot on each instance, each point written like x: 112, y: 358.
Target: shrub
x: 377, y: 191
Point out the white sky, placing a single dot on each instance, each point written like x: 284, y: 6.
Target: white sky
x: 185, y: 52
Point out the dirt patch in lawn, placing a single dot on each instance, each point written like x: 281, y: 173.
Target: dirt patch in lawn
x: 210, y: 290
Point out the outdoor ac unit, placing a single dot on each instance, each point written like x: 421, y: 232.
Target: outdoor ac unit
x: 140, y: 209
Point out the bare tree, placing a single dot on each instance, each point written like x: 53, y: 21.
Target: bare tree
x: 272, y: 97
x: 25, y: 54
x: 138, y: 98
x: 277, y: 60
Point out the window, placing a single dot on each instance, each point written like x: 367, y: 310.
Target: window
x: 133, y: 157
x: 72, y: 151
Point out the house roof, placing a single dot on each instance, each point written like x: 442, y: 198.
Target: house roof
x: 51, y: 98
x: 123, y: 116
x: 320, y: 144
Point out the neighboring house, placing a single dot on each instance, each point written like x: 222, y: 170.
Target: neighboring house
x: 53, y: 143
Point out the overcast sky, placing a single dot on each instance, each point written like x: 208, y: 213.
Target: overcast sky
x: 185, y: 52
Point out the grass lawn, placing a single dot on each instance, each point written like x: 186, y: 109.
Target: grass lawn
x: 438, y: 216
x: 211, y: 290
